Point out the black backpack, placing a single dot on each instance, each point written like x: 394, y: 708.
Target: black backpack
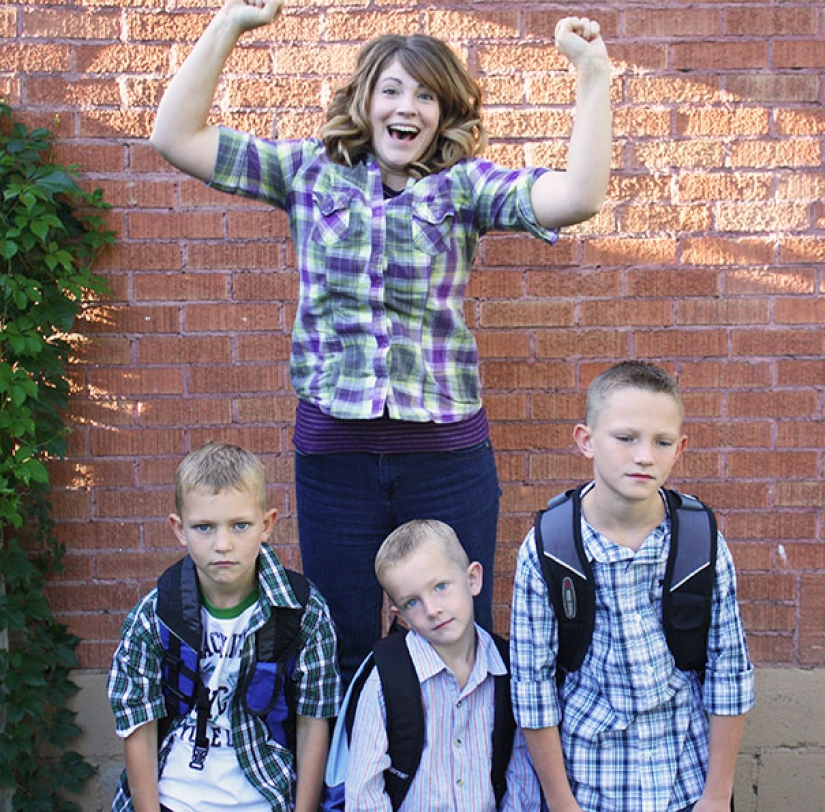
x: 406, y: 725
x: 688, y: 587
x: 264, y: 687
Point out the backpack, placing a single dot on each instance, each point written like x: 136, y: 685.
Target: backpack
x: 687, y: 595
x: 264, y: 686
x: 406, y: 725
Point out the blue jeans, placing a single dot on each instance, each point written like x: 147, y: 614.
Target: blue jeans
x: 348, y: 503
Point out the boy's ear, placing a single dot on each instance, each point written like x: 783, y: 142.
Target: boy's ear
x: 583, y: 439
x: 177, y: 528
x: 475, y: 576
x: 269, y: 523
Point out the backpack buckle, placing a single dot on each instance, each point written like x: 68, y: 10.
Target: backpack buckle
x: 198, y: 757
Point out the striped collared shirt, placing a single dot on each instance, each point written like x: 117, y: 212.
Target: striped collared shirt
x: 454, y: 773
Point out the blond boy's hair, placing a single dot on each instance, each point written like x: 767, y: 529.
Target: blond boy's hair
x: 409, y: 537
x: 628, y: 375
x: 217, y: 467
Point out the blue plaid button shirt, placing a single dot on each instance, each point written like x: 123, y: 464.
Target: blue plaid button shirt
x: 380, y: 322
x: 136, y: 697
x: 634, y: 728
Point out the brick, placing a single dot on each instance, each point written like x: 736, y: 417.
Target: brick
x: 757, y: 87
x: 799, y: 122
x: 727, y: 251
x: 267, y: 347
x: 800, y: 494
x: 523, y: 251
x: 774, y: 525
x: 673, y: 153
x: 722, y: 311
x: 804, y: 433
x: 553, y: 467
x: 801, y: 250
x: 758, y: 588
x: 518, y: 59
x: 775, y: 153
x: 653, y: 89
x: 503, y: 344
x: 768, y: 22
x: 801, y: 311
x: 626, y: 312
x: 683, y: 343
x: 777, y: 342
x: 698, y: 121
x: 652, y: 219
x: 773, y: 403
x: 121, y: 319
x: 799, y: 54
x: 121, y: 59
x: 266, y: 286
x: 812, y: 626
x: 724, y: 374
x: 71, y: 23
x: 772, y: 465
x: 197, y: 412
x: 60, y: 94
x: 154, y: 350
x: 582, y: 343
x: 270, y: 409
x: 216, y: 379
x: 136, y: 443
x: 527, y: 313
x: 669, y: 23
x: 267, y: 223
x: 800, y: 373
x: 231, y: 256
x: 718, y: 55
x: 510, y: 375
x: 180, y: 287
x: 171, y: 225
x: 137, y: 381
x: 498, y: 284
x: 218, y: 318
x: 588, y: 283
x: 710, y: 186
x: 768, y: 617
x: 761, y: 217
x: 557, y: 405
x: 630, y: 251
x: 666, y: 282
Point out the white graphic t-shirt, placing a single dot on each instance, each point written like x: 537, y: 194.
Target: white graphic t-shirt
x: 221, y: 785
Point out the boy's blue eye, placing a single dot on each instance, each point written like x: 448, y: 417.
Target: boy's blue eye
x: 203, y: 528
x: 243, y: 525
x: 411, y: 603
x: 441, y: 587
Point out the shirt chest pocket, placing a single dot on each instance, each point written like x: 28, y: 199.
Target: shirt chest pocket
x: 432, y: 225
x: 335, y: 220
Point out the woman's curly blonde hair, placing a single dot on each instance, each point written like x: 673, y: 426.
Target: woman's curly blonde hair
x: 347, y: 133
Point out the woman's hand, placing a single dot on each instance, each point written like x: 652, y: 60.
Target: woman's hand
x: 246, y: 15
x: 579, y: 39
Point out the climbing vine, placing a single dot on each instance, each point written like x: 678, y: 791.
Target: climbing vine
x: 51, y: 231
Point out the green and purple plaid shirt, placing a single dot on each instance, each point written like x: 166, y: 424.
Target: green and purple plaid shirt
x: 380, y: 323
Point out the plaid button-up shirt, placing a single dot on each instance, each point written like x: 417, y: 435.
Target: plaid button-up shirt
x: 380, y: 322
x: 634, y: 728
x: 136, y: 696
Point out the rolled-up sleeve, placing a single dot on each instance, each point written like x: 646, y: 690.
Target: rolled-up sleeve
x: 533, y: 645
x: 729, y: 679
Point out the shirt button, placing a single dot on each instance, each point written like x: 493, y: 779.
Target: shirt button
x: 460, y: 782
x: 458, y: 742
x: 458, y: 704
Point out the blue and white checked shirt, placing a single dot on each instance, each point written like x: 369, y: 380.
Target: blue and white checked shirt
x: 454, y: 774
x: 380, y: 321
x: 136, y: 696
x: 634, y: 728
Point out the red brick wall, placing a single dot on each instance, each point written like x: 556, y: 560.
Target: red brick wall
x: 707, y: 258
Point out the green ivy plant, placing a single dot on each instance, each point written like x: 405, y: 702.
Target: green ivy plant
x: 51, y: 231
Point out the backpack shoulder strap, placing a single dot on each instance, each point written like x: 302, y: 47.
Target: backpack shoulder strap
x: 405, y: 714
x: 279, y: 638
x: 504, y: 724
x: 179, y: 612
x: 687, y: 598
x: 568, y: 576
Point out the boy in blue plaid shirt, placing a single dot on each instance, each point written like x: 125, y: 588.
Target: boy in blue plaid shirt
x: 222, y: 519
x: 628, y: 730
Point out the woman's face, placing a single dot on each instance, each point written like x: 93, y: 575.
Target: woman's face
x: 404, y: 116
